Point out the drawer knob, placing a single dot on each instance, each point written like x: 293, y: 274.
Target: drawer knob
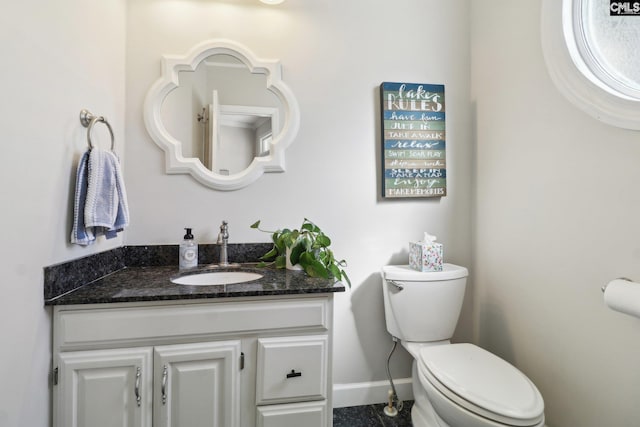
x: 293, y: 374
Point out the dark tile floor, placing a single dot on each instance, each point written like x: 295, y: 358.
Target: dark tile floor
x: 371, y: 416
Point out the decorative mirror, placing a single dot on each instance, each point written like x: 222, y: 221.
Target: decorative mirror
x: 221, y: 115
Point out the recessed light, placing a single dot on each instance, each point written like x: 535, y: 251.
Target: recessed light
x: 272, y: 1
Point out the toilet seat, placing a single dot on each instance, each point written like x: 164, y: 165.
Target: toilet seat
x: 482, y: 383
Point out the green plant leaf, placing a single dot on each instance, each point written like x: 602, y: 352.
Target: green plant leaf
x: 312, y: 266
x: 310, y: 226
x: 309, y: 248
x: 296, y: 251
x: 316, y: 269
x: 280, y: 261
x: 306, y: 241
x: 323, y: 240
x: 270, y: 255
x: 288, y: 237
x: 280, y: 242
x: 335, y: 271
x: 330, y: 258
x: 346, y: 278
x: 305, y: 258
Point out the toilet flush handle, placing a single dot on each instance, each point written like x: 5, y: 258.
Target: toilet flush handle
x: 397, y: 285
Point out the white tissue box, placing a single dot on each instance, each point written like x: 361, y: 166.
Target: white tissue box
x: 425, y: 256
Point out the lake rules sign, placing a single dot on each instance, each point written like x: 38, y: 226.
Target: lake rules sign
x: 413, y: 140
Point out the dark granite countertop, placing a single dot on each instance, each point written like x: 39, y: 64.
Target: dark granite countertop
x: 144, y: 282
x: 154, y: 284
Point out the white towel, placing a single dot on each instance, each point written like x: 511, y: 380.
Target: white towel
x: 100, y: 204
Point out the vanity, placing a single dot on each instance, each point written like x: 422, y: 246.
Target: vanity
x: 135, y: 346
x: 132, y: 348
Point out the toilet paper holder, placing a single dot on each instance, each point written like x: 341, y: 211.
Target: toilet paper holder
x: 623, y: 295
x: 619, y: 278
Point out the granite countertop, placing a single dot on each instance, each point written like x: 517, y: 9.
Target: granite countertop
x: 153, y: 283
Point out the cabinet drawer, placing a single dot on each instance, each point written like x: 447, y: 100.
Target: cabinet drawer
x: 308, y: 414
x: 292, y: 369
x: 79, y: 329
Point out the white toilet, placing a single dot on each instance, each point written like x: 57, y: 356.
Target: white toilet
x: 454, y: 385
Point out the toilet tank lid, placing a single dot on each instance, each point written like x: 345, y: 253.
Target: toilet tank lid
x: 406, y: 273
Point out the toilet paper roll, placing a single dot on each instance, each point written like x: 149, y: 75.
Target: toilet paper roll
x: 624, y: 296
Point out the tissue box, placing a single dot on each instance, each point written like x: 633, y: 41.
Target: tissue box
x: 425, y: 256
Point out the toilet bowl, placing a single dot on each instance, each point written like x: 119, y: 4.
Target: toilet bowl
x: 454, y: 385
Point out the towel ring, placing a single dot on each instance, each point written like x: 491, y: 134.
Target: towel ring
x: 88, y: 120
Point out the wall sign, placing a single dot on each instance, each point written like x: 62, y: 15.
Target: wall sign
x: 413, y: 140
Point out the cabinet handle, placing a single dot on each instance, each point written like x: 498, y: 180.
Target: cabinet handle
x: 137, y: 388
x: 293, y: 374
x: 164, y: 384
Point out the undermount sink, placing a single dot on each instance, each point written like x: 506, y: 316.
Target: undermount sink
x: 216, y: 278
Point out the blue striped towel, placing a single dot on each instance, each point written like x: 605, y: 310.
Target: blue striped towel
x: 100, y: 203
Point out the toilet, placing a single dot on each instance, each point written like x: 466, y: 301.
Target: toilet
x: 454, y: 385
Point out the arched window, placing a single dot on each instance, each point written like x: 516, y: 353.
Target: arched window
x: 607, y: 45
x: 593, y: 58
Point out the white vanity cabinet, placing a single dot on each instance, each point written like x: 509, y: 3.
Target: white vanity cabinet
x: 228, y: 362
x: 199, y: 384
x: 292, y: 369
x: 104, y: 388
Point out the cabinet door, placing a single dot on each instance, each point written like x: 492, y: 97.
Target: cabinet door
x: 104, y: 388
x: 197, y: 385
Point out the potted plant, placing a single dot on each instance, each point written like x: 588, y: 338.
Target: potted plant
x: 308, y: 247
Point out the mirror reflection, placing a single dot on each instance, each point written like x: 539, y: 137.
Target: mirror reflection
x: 223, y: 114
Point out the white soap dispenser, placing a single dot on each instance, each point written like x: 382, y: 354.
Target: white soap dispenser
x: 188, y: 251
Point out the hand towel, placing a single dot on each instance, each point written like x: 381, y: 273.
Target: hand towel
x: 79, y: 233
x: 100, y: 204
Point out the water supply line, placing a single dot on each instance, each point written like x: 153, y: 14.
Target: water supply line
x: 390, y: 410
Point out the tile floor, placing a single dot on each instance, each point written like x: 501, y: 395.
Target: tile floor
x: 371, y: 416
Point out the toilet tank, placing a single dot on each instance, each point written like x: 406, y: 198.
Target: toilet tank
x: 423, y: 306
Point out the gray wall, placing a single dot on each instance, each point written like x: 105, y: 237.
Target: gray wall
x: 334, y: 55
x: 556, y: 217
x: 554, y: 191
x: 57, y: 58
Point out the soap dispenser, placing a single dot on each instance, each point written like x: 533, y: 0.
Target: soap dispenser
x: 188, y: 251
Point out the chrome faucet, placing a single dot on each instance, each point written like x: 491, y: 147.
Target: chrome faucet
x: 223, y: 240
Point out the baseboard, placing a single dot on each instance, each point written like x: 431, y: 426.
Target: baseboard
x: 369, y: 393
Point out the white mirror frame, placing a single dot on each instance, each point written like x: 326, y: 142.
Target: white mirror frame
x: 569, y: 77
x: 175, y: 162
